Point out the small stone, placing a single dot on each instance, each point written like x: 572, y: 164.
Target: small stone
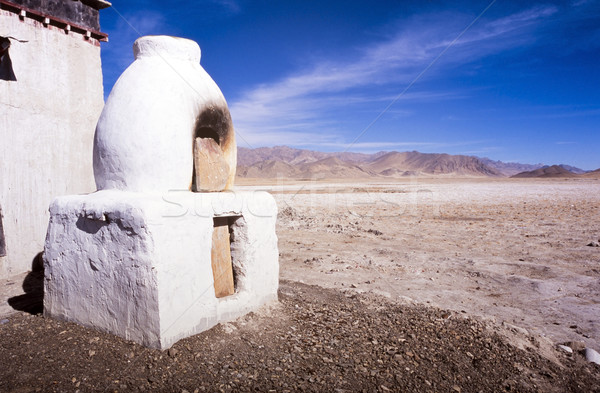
x: 565, y: 348
x: 456, y: 388
x: 592, y: 356
x: 91, y: 353
x: 4, y: 321
x: 593, y: 244
x: 172, y: 352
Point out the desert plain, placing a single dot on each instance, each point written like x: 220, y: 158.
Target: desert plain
x: 410, y: 285
x: 510, y: 250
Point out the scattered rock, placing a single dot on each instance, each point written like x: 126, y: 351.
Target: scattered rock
x: 313, y: 340
x: 593, y: 244
x: 516, y: 329
x: 4, y: 321
x: 565, y: 348
x: 592, y: 356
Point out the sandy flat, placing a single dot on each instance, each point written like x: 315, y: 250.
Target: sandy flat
x: 513, y: 251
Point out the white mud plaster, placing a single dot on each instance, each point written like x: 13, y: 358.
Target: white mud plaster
x: 134, y: 258
x: 47, y: 120
x: 139, y: 265
x: 164, y: 99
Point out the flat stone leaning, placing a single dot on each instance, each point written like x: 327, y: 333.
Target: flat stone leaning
x: 211, y: 168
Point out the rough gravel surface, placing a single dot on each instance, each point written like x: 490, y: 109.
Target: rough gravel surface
x: 514, y: 251
x: 314, y: 339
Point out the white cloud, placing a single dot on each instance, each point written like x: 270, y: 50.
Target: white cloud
x: 296, y: 110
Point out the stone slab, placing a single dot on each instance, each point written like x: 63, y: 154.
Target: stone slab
x: 210, y: 166
x: 221, y: 258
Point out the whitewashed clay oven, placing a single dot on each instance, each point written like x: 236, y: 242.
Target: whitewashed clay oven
x: 137, y: 257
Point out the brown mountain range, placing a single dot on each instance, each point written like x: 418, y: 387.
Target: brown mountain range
x: 548, y: 171
x: 248, y: 157
x: 592, y: 175
x: 510, y: 168
x: 431, y: 164
x: 284, y: 161
x: 559, y: 171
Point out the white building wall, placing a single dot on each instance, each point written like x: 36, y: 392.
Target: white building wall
x: 47, y: 122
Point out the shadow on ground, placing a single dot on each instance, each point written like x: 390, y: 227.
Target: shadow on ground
x: 32, y: 301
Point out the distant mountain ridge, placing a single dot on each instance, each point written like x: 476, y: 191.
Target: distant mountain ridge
x: 510, y: 168
x: 284, y: 161
x: 428, y: 163
x: 247, y: 157
x: 546, y: 171
x: 559, y: 171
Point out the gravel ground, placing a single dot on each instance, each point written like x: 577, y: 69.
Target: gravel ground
x: 515, y: 251
x: 314, y: 339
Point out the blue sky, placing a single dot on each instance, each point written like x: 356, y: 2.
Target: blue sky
x: 512, y: 81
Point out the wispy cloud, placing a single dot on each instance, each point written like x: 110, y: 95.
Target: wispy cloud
x: 334, y: 143
x: 578, y: 3
x: 232, y: 6
x: 296, y: 110
x: 370, y: 147
x: 557, y: 112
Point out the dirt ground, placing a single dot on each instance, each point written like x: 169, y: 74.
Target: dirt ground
x: 368, y: 271
x: 314, y: 340
x: 508, y: 250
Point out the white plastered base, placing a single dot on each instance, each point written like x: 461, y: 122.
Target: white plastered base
x: 139, y: 265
